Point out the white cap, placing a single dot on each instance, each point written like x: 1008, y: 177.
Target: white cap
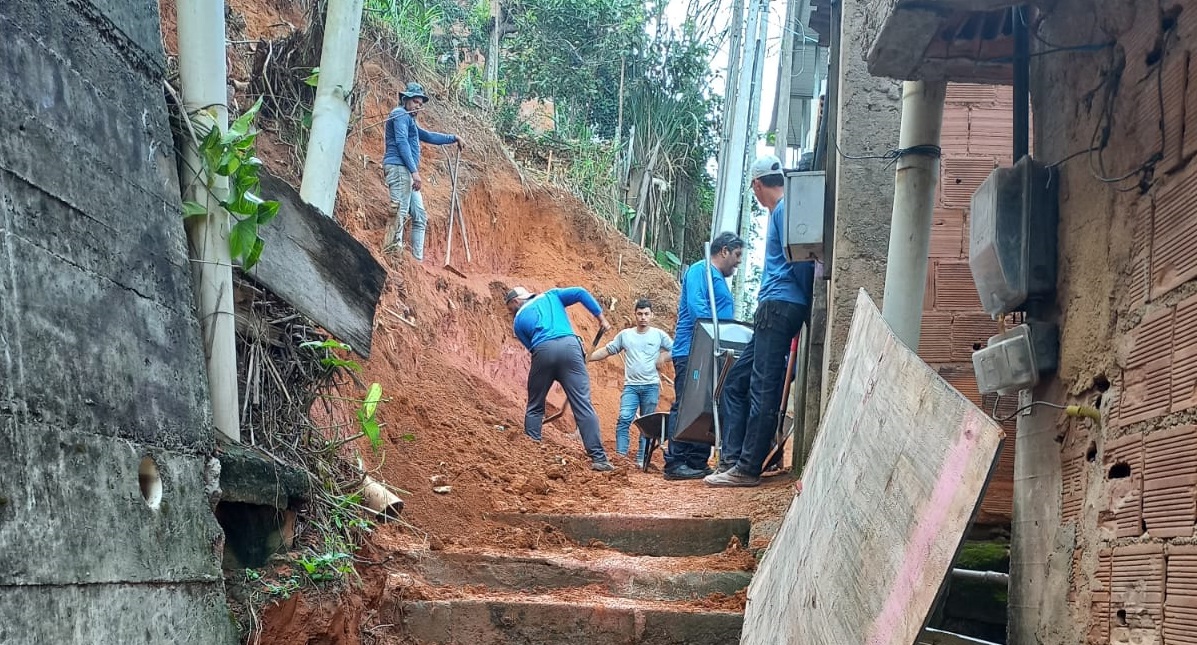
x: 764, y: 166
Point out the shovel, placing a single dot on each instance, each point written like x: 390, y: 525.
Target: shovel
x: 455, y: 215
x: 565, y: 406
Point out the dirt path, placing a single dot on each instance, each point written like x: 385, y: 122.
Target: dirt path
x: 454, y: 375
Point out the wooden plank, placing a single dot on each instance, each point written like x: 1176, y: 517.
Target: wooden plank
x: 894, y: 479
x: 319, y: 268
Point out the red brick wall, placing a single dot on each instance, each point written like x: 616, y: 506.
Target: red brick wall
x: 977, y: 137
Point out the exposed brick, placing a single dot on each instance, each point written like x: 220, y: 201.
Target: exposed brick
x: 1072, y: 474
x: 1140, y: 279
x: 971, y: 93
x: 947, y: 235
x: 1123, y: 465
x: 991, y: 133
x: 1137, y: 587
x: 1175, y: 84
x: 1174, y: 233
x: 954, y: 287
x: 1180, y: 604
x: 929, y: 291
x: 953, y: 138
x: 1170, y: 482
x: 1099, y: 626
x: 1184, y: 356
x: 1190, y: 111
x: 1146, y: 381
x: 963, y: 379
x: 935, y: 337
x: 961, y: 176
x: 969, y: 330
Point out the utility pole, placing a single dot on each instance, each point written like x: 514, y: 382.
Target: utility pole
x: 732, y: 165
x: 785, y: 77
x: 730, y: 117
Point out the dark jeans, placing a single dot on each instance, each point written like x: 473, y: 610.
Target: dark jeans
x: 682, y: 453
x: 751, y: 397
x: 562, y: 360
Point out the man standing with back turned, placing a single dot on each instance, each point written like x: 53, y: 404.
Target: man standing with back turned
x: 685, y: 460
x: 543, y: 327
x: 752, y: 391
x: 401, y: 162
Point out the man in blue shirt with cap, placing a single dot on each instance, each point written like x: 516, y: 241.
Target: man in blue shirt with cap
x: 543, y: 327
x: 752, y: 391
x: 685, y: 460
x: 401, y: 163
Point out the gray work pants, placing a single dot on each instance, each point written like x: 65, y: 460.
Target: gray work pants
x: 562, y: 360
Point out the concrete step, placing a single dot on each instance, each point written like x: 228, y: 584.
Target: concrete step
x: 642, y: 534
x: 545, y: 620
x: 620, y: 575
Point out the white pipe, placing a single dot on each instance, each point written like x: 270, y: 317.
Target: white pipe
x: 202, y: 74
x: 914, y: 204
x: 731, y: 91
x: 380, y: 499
x: 330, y: 113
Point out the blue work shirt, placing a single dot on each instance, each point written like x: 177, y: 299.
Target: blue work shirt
x: 783, y: 280
x: 403, y: 139
x: 543, y: 317
x: 695, y: 304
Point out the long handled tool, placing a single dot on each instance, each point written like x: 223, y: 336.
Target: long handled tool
x: 565, y: 406
x: 455, y: 215
x: 780, y: 437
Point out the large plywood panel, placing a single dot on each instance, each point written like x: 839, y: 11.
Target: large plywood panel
x: 892, y: 484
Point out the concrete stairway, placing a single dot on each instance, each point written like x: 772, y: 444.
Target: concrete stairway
x: 634, y: 581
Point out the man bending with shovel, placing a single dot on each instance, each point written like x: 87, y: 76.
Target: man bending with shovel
x: 543, y: 327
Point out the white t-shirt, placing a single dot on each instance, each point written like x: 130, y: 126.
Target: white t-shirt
x: 641, y: 352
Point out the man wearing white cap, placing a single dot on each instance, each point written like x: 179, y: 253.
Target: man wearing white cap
x: 543, y: 327
x: 753, y: 389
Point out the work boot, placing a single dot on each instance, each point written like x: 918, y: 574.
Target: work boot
x: 682, y: 473
x: 603, y: 466
x: 732, y: 479
x: 723, y: 467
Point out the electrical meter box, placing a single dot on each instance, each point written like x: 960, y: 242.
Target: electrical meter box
x: 802, y: 238
x: 1007, y: 363
x: 1012, y: 237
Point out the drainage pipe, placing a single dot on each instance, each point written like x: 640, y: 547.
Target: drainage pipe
x: 994, y: 577
x: 914, y: 202
x: 330, y: 112
x: 202, y: 75
x: 380, y: 499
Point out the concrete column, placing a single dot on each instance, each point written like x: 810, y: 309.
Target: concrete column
x: 869, y: 116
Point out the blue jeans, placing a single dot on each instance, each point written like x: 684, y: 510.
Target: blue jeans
x: 751, y: 399
x: 682, y: 453
x: 642, y: 397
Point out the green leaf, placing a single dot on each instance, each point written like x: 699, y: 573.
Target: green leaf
x: 372, y: 432
x: 255, y: 254
x: 240, y: 127
x: 373, y: 396
x: 241, y: 238
x: 194, y: 209
x: 267, y: 211
x: 673, y: 258
x: 408, y: 437
x: 314, y: 79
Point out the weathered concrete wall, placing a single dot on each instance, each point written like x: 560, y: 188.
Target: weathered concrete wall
x: 1101, y: 549
x: 100, y: 357
x: 869, y: 118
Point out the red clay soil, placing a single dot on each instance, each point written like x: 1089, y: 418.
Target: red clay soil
x: 455, y: 381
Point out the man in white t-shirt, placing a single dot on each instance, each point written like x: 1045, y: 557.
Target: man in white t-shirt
x: 646, y: 350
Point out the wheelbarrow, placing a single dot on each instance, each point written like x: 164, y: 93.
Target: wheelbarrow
x: 652, y: 429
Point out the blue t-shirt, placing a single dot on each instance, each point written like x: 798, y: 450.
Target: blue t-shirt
x: 543, y: 317
x: 403, y: 139
x: 782, y: 280
x: 695, y: 303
